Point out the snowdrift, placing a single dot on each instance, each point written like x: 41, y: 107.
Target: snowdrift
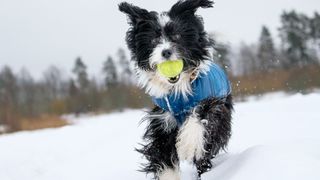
x: 274, y: 137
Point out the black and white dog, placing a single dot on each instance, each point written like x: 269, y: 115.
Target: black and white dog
x: 200, y: 128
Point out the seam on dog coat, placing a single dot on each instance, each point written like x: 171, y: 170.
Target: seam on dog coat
x: 213, y: 83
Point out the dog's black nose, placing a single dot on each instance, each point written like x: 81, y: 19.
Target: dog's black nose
x: 166, y: 53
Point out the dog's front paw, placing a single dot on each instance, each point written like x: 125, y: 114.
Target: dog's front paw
x: 191, y: 140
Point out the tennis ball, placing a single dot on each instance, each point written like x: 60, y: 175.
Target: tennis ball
x: 170, y: 68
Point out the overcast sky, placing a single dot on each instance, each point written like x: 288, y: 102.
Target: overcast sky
x: 38, y: 33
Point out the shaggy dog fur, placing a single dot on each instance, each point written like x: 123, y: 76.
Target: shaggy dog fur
x: 176, y: 34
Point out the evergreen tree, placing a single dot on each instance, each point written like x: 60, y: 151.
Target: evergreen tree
x: 315, y: 26
x: 73, y: 101
x: 110, y: 72
x: 315, y: 34
x: 73, y: 90
x: 294, y: 33
x: 80, y: 70
x: 266, y: 51
x: 81, y: 99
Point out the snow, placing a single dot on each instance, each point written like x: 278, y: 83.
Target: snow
x: 274, y: 137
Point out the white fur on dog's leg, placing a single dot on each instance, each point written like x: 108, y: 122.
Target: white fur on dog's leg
x: 169, y: 174
x: 191, y: 140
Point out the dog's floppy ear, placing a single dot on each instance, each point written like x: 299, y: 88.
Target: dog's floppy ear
x: 134, y: 13
x: 189, y: 7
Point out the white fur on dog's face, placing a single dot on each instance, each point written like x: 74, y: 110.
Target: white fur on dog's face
x: 156, y: 56
x: 163, y: 44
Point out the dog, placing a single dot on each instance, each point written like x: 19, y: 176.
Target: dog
x: 191, y: 119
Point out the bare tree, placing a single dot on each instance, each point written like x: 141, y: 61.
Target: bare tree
x: 53, y: 81
x: 110, y: 72
x: 8, y: 98
x: 27, y: 93
x: 248, y: 59
x: 125, y: 72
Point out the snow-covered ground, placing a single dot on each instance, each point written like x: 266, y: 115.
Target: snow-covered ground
x: 276, y: 137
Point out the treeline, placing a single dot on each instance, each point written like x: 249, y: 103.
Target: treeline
x: 21, y: 97
x: 264, y: 66
x: 299, y: 46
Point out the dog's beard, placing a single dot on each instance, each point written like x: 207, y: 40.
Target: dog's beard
x: 158, y: 86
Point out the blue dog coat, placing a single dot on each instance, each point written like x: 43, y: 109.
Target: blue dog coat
x: 213, y: 83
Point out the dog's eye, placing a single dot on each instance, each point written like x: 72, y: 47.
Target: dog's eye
x: 155, y: 41
x: 175, y: 37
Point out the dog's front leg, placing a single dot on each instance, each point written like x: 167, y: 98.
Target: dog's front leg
x: 191, y: 138
x: 160, y: 150
x: 205, y: 132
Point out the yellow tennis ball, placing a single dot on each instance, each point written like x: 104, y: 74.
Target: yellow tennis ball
x: 170, y: 68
